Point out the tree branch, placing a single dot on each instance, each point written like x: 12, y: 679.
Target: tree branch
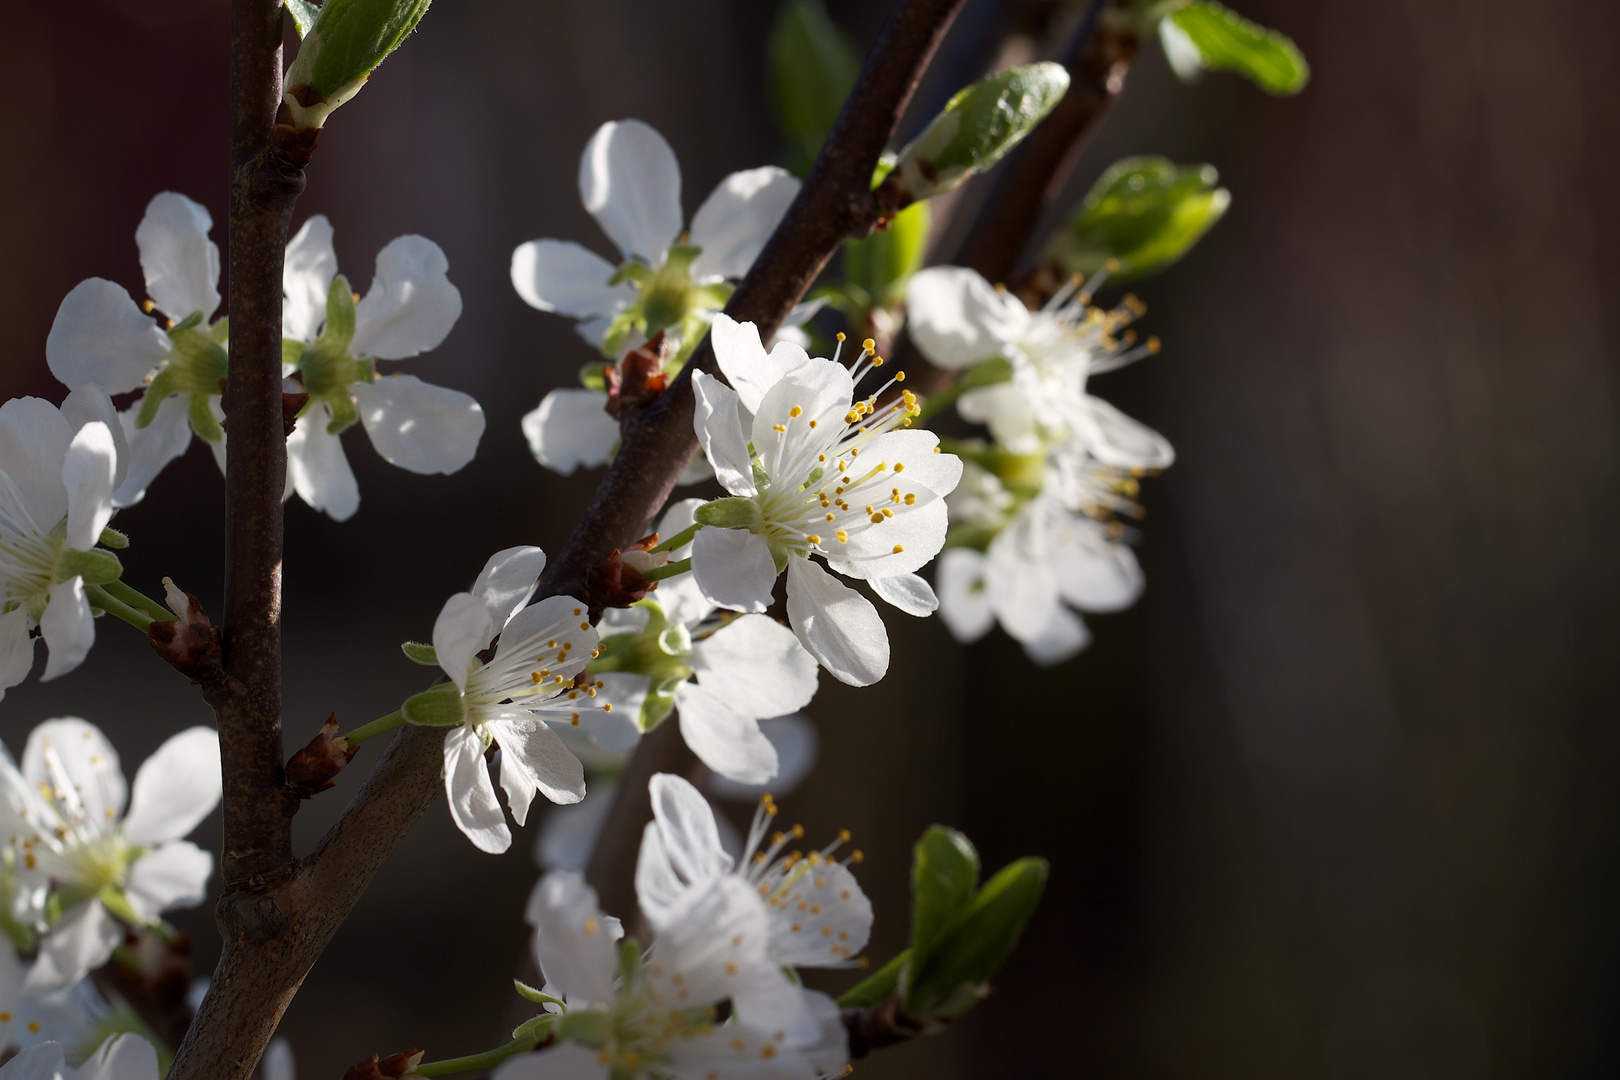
x: 273, y: 936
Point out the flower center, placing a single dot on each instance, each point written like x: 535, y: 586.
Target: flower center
x: 28, y: 553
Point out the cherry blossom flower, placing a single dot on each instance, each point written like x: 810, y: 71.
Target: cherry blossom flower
x: 409, y: 310
x: 818, y: 472
x: 630, y: 183
x: 100, y: 336
x: 531, y: 681
x: 60, y: 468
x: 121, y: 1057
x: 655, y: 1017
x: 816, y: 913
x: 68, y: 824
x: 959, y: 320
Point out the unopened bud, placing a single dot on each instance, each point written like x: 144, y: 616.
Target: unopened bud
x: 189, y: 644
x: 392, y: 1067
x: 619, y: 581
x: 637, y: 380
x: 314, y: 768
x: 346, y: 43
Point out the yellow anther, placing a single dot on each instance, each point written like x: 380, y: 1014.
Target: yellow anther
x: 592, y: 926
x: 559, y: 679
x: 767, y: 1051
x: 831, y: 517
x: 581, y: 611
x: 899, y: 376
x: 898, y: 548
x: 607, y: 708
x: 820, y: 457
x: 911, y: 498
x: 843, y: 836
x: 887, y: 512
x: 843, y: 537
x: 856, y: 856
x: 778, y: 427
x: 877, y: 519
x: 795, y: 412
x: 877, y: 361
x: 870, y: 346
x: 356, y: 297
x: 574, y: 720
x: 798, y: 832
x: 840, y: 335
x: 537, y: 677
x: 813, y: 538
x: 591, y: 690
x: 1153, y: 345
x: 146, y: 306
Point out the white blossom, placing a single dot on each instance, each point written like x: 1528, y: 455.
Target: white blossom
x: 630, y: 183
x: 510, y: 701
x: 121, y: 1057
x: 67, y: 823
x: 58, y: 471
x: 100, y: 336
x: 410, y: 309
x: 817, y: 472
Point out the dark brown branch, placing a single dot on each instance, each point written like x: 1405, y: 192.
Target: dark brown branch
x: 273, y: 937
x: 883, y: 1024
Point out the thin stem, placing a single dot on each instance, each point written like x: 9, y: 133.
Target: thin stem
x: 680, y: 539
x: 659, y: 573
x: 376, y: 727
x: 136, y: 598
x: 101, y: 598
x: 488, y: 1059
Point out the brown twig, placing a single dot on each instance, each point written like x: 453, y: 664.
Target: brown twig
x: 274, y: 931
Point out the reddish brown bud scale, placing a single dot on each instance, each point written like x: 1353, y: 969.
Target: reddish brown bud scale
x: 314, y: 768
x: 190, y: 646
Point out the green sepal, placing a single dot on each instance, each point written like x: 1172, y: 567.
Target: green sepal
x: 881, y: 264
x: 1223, y: 40
x: 997, y: 369
x: 113, y: 899
x: 292, y: 350
x: 220, y: 333
x: 345, y: 414
x: 736, y: 512
x: 202, y: 419
x: 977, y: 127
x: 876, y: 986
x: 190, y: 322
x: 112, y: 538
x: 944, y: 875
x: 529, y: 993
x: 440, y: 706
x: 95, y: 567
x: 418, y: 653
x: 347, y: 41
x: 303, y: 15
x: 593, y: 377
x: 1021, y: 474
x: 536, y: 1027
x: 954, y: 976
x: 164, y: 383
x: 813, y: 67
x: 339, y: 328
x: 629, y: 963
x: 1143, y: 214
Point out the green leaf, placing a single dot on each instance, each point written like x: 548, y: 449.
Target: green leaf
x: 876, y: 986
x: 944, y: 873
x: 977, y: 127
x: 418, y: 653
x: 529, y: 993
x: 882, y: 263
x: 813, y: 67
x: 955, y: 974
x: 1144, y: 214
x: 440, y: 706
x: 346, y: 43
x: 1225, y: 41
x: 303, y: 15
x: 95, y: 567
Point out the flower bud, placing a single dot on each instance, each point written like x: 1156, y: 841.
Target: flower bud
x: 314, y: 768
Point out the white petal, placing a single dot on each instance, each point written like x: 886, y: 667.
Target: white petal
x: 824, y: 920
x: 175, y: 875
x: 16, y: 649
x: 1006, y: 411
x: 734, y: 569
x: 572, y: 939
x: 1064, y: 636
x: 562, y: 276
x: 83, y: 939
x: 908, y: 592
x: 1020, y: 580
x: 630, y: 183
x: 594, y: 329
x: 1115, y: 439
x: 713, y: 942
x: 963, y: 602
x: 67, y: 628
x: 122, y: 1057
x: 620, y: 729
x: 697, y: 471
x: 34, y: 441
x: 318, y: 467
x: 180, y: 262
x: 411, y: 304
x: 720, y: 431
x: 797, y: 744
x: 821, y: 391
x: 571, y: 428
x: 556, y: 618
x: 737, y: 218
x: 743, y: 361
x: 464, y: 627
x: 534, y: 759
x: 473, y: 805
x: 1095, y: 573
x: 568, y: 833
x: 565, y: 1061
x: 723, y: 738
x: 306, y: 278
x: 88, y: 759
x: 838, y: 625
x: 41, y: 1062
x: 90, y: 403
x: 101, y: 336
x: 278, y: 1063
x: 89, y: 473
x: 957, y: 318
x: 507, y: 581
x: 153, y: 446
x: 757, y: 666
x: 175, y: 788
x: 680, y: 848
x: 418, y: 426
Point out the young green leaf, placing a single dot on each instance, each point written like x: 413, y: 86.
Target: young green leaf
x: 977, y: 128
x: 813, y: 68
x: 882, y: 263
x: 944, y: 873
x: 1206, y: 36
x: 961, y: 965
x: 303, y: 14
x: 1144, y: 214
x: 876, y: 986
x: 346, y: 43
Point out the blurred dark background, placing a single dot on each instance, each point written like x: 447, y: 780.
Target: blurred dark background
x: 1337, y: 799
